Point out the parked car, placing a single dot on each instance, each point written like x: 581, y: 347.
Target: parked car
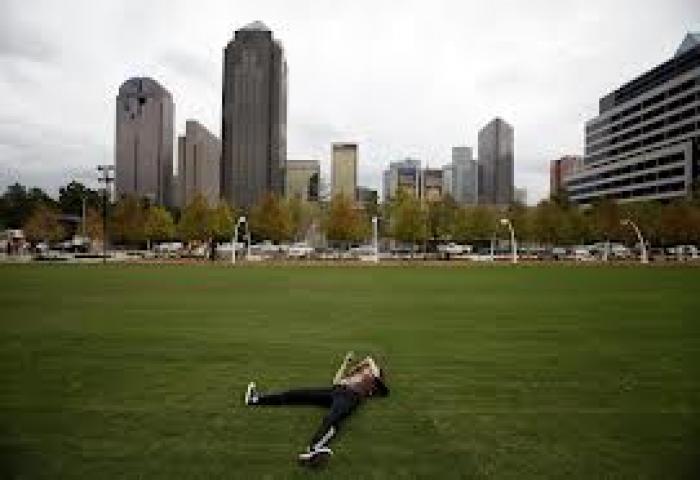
x: 299, y: 250
x: 583, y: 254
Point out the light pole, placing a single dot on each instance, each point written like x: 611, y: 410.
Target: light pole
x: 235, y: 239
x: 106, y: 177
x: 644, y: 256
x: 514, y: 247
x: 375, y: 238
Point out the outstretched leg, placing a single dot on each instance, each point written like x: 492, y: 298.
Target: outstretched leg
x: 321, y: 397
x: 344, y: 402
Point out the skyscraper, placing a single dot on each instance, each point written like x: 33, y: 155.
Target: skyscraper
x: 303, y: 179
x: 403, y: 175
x: 448, y: 180
x: 144, y: 140
x: 496, y: 163
x: 199, y: 164
x: 464, y: 176
x: 344, y: 169
x: 254, y: 116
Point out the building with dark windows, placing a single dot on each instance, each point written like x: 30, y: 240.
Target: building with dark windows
x: 198, y: 164
x: 303, y: 179
x: 496, y: 169
x: 561, y: 169
x: 645, y: 142
x: 144, y: 141
x: 404, y: 175
x: 464, y: 176
x: 254, y: 116
x: 431, y: 184
x: 366, y: 197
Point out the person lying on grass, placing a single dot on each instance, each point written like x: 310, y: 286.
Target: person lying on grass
x: 351, y: 385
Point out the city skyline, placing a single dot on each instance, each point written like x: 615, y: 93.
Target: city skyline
x: 53, y: 131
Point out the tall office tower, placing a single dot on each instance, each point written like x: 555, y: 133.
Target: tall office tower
x: 645, y: 142
x: 447, y: 180
x: 199, y: 164
x: 464, y: 176
x: 561, y: 169
x: 431, y: 185
x: 303, y: 179
x: 520, y: 195
x: 144, y: 141
x: 496, y: 168
x: 254, y: 116
x: 344, y: 169
x: 403, y: 175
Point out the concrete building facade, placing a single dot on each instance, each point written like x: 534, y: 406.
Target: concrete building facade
x: 465, y: 176
x: 645, y: 142
x: 303, y: 179
x: 254, y: 116
x: 402, y: 175
x: 344, y: 169
x: 496, y: 166
x: 199, y: 164
x: 431, y: 184
x: 144, y: 141
x: 561, y: 169
x: 448, y: 179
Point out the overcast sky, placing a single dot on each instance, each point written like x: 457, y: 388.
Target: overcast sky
x: 402, y: 78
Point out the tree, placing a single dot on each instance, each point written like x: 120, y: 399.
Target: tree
x: 195, y: 221
x: 271, y: 219
x: 18, y: 203
x: 44, y: 224
x: 548, y: 223
x: 93, y: 224
x: 442, y: 216
x: 127, y: 222
x: 344, y: 223
x: 221, y: 220
x: 606, y: 218
x: 303, y: 215
x: 70, y: 198
x: 158, y: 224
x: 408, y: 219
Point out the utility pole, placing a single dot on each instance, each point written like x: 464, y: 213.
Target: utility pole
x: 107, y: 177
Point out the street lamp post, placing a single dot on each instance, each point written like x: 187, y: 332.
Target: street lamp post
x: 643, y: 246
x: 375, y: 238
x: 514, y: 247
x: 106, y: 177
x: 235, y: 239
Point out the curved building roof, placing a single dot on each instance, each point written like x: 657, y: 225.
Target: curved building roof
x: 144, y: 86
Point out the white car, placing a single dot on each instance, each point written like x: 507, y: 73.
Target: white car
x: 582, y: 254
x: 299, y: 250
x: 451, y: 249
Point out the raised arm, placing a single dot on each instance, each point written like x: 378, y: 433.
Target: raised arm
x: 343, y: 366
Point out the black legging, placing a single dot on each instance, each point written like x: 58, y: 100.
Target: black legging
x: 341, y: 401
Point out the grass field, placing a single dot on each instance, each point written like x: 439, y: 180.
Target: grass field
x: 137, y: 372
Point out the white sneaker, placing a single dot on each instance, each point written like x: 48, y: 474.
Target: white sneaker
x: 316, y: 455
x: 251, y: 394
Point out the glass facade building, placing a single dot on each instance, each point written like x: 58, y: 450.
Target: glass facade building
x: 645, y: 142
x: 254, y: 117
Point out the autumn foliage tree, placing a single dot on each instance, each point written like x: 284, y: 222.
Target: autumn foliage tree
x: 344, y: 223
x: 44, y: 224
x: 271, y: 219
x: 158, y: 224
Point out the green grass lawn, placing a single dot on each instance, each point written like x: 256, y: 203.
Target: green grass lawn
x: 137, y: 372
